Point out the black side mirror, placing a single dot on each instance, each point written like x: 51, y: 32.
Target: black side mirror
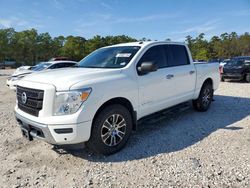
x: 147, y: 67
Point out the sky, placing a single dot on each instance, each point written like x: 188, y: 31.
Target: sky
x: 152, y: 19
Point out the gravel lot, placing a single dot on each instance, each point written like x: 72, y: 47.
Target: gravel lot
x: 177, y: 148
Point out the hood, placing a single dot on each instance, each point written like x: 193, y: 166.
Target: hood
x: 234, y: 66
x: 23, y: 68
x: 64, y: 78
x: 19, y: 72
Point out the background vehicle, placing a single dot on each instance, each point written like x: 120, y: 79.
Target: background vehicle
x: 22, y: 68
x: 60, y: 59
x: 237, y: 68
x: 224, y: 62
x: 100, y: 101
x: 25, y: 70
x: 2, y: 66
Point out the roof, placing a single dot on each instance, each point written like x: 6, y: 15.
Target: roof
x: 60, y: 58
x: 242, y: 57
x: 146, y: 43
x: 64, y: 61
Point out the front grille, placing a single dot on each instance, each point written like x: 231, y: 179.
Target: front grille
x: 34, y: 100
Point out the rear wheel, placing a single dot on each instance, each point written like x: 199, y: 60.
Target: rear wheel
x: 111, y: 130
x: 248, y: 78
x: 205, y: 98
x: 222, y: 79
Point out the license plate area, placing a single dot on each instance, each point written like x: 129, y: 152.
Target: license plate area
x: 26, y: 133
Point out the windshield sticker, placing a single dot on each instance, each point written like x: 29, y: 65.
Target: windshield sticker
x: 123, y: 55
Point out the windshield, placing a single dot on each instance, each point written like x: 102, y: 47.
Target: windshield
x: 40, y: 66
x: 235, y: 62
x: 111, y: 57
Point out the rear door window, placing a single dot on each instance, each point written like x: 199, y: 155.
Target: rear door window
x: 57, y: 66
x: 176, y: 55
x: 69, y: 64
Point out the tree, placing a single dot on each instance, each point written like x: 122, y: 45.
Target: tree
x: 30, y: 47
x: 5, y: 38
x: 74, y: 48
x: 45, y: 48
x: 244, y: 41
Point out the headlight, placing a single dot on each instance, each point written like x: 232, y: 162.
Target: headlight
x: 69, y: 102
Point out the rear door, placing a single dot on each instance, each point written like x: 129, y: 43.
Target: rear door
x: 173, y: 82
x: 182, y: 71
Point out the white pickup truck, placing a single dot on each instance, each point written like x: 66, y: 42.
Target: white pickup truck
x: 100, y: 101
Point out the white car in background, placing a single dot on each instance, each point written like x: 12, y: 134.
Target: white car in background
x: 25, y: 70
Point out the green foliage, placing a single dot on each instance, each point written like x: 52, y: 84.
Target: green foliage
x: 219, y: 47
x: 73, y: 48
x: 30, y: 47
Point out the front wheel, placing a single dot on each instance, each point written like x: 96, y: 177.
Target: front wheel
x: 111, y: 130
x: 205, y: 98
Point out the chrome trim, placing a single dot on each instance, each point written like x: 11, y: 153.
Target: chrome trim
x: 25, y: 122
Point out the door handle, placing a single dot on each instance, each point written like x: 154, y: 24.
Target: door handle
x: 169, y: 76
x: 191, y: 72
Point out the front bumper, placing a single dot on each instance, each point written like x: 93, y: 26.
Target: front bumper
x: 37, y: 130
x: 56, y: 134
x: 232, y: 76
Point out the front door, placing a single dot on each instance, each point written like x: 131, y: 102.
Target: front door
x: 154, y: 86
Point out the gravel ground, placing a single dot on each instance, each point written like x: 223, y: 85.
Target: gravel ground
x: 175, y: 148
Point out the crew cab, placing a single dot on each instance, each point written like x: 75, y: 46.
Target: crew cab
x: 23, y: 71
x: 238, y: 68
x: 101, y: 100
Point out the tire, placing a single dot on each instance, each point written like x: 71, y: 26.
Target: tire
x: 248, y: 78
x: 222, y: 79
x: 205, y: 98
x: 106, y: 136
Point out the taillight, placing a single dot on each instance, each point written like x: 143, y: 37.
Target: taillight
x: 221, y: 69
